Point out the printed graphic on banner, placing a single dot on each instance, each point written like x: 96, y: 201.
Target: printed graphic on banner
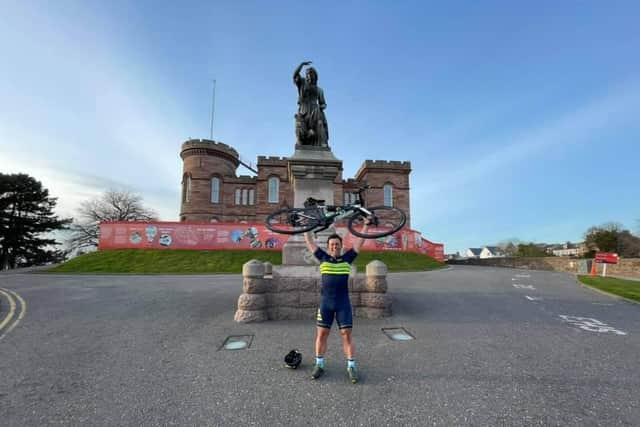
x: 255, y: 236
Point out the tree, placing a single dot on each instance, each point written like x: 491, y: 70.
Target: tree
x: 628, y: 245
x: 509, y: 247
x: 530, y: 250
x: 113, y: 205
x: 26, y: 213
x: 603, y: 238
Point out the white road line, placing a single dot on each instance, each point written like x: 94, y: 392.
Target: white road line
x: 590, y: 324
x: 533, y: 298
x: 519, y: 286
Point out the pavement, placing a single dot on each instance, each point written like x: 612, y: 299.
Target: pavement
x: 492, y: 346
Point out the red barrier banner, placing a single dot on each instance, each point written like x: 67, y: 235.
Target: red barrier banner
x: 254, y: 236
x: 606, y: 258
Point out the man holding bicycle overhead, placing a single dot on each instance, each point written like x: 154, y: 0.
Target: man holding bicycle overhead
x: 334, y: 302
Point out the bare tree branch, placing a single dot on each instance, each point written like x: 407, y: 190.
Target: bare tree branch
x: 112, y: 205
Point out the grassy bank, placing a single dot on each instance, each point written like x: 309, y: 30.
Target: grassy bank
x: 196, y: 262
x: 624, y: 288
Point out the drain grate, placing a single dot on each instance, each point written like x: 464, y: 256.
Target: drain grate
x: 398, y: 334
x: 237, y: 342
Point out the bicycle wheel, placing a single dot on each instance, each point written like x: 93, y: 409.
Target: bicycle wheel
x: 293, y: 221
x: 384, y: 220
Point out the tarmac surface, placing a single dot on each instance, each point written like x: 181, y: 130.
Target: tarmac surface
x: 492, y: 347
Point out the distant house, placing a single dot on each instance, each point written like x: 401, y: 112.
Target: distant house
x: 473, y: 253
x: 569, y: 249
x: 492, y: 252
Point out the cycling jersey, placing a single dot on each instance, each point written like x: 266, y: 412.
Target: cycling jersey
x: 335, y: 289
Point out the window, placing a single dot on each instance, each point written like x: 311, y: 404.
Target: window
x: 274, y: 189
x: 215, y: 190
x: 350, y: 198
x: 186, y: 188
x: 251, y: 196
x: 388, y: 194
x: 238, y: 195
x: 245, y: 194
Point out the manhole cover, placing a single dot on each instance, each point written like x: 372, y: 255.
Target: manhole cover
x: 398, y: 334
x: 237, y: 342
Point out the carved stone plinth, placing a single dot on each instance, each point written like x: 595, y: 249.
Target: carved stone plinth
x: 293, y: 292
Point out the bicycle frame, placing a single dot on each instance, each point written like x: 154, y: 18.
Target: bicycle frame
x: 331, y: 214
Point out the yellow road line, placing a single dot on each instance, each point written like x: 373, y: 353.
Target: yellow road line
x: 12, y: 308
x: 23, y: 310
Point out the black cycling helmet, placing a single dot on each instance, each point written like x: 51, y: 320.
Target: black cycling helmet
x: 293, y: 359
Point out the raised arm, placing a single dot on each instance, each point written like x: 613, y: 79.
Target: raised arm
x: 358, y: 243
x: 296, y: 73
x: 311, y: 245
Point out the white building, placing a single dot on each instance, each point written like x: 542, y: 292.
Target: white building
x: 492, y: 252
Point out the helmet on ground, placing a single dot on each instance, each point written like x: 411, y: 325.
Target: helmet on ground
x: 293, y: 359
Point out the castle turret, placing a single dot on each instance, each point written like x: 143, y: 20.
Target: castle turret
x: 389, y: 181
x: 206, y: 166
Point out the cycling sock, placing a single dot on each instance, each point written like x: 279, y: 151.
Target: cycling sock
x: 351, y: 363
x: 320, y: 361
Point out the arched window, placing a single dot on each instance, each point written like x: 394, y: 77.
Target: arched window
x: 388, y: 194
x: 186, y: 188
x: 274, y: 189
x: 238, y: 195
x: 215, y: 190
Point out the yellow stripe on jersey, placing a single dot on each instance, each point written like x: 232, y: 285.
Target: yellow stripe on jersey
x: 338, y: 268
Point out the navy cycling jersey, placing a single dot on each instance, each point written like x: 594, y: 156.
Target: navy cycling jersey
x: 335, y: 272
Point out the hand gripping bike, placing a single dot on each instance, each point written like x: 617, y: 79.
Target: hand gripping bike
x: 316, y: 216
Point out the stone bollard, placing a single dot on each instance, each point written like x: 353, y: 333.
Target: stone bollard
x: 252, y: 304
x: 268, y: 268
x: 376, y: 277
x: 374, y: 301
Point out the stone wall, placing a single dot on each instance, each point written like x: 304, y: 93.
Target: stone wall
x: 627, y: 267
x: 293, y: 292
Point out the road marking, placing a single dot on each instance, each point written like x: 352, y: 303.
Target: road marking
x: 523, y: 275
x: 602, y: 303
x: 12, y: 308
x: 591, y: 324
x: 21, y: 313
x: 518, y: 286
x: 533, y: 298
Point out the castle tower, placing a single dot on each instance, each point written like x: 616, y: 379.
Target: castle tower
x: 389, y: 181
x: 206, y: 166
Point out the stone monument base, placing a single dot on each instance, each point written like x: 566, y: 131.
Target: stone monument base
x: 293, y: 292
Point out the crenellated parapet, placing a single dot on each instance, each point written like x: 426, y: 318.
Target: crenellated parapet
x: 271, y: 161
x: 206, y: 147
x: 383, y: 167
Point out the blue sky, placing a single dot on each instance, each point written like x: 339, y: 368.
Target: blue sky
x: 520, y: 119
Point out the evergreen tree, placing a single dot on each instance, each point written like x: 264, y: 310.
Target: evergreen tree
x: 26, y: 214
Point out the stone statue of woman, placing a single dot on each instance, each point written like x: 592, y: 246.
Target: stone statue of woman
x: 311, y: 123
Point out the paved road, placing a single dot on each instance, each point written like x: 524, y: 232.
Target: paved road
x: 144, y: 350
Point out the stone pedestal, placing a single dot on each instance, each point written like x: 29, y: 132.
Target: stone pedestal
x: 312, y: 172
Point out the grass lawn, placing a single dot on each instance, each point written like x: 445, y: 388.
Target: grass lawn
x: 196, y: 262
x: 624, y: 288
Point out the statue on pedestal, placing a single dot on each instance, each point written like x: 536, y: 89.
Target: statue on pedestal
x: 311, y: 124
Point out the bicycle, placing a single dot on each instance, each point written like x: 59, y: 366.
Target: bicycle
x: 316, y: 216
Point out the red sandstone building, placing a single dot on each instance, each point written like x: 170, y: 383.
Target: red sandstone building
x: 212, y: 192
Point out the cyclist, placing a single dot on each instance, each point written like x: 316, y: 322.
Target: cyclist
x: 335, y: 267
